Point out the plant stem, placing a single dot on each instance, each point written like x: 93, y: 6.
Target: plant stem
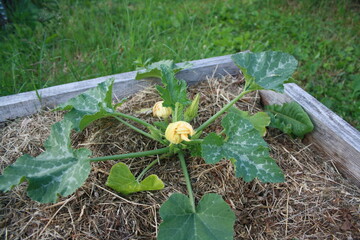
x: 193, y: 141
x: 146, y: 169
x: 219, y: 113
x: 135, y: 119
x: 131, y: 155
x: 175, y: 115
x: 187, y: 180
x: 135, y: 128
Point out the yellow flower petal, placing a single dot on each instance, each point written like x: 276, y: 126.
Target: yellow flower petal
x: 179, y: 131
x: 160, y: 111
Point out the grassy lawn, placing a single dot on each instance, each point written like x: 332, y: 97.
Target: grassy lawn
x: 56, y: 42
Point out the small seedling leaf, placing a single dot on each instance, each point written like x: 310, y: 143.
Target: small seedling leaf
x: 245, y: 147
x: 212, y: 219
x: 60, y: 170
x: 265, y: 70
x: 123, y: 181
x: 89, y: 106
x: 290, y: 118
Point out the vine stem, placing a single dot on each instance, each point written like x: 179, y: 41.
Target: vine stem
x: 219, y: 113
x: 175, y: 115
x: 131, y: 155
x: 146, y: 169
x: 135, y: 119
x: 134, y: 128
x: 187, y: 180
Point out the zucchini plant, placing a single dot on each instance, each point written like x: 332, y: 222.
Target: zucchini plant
x: 60, y: 170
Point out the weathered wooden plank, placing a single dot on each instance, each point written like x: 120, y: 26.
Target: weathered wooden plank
x: 331, y: 134
x: 24, y: 104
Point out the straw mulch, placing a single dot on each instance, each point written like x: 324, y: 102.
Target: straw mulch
x: 315, y: 202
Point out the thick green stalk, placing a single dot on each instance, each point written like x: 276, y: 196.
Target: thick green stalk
x: 135, y: 128
x: 146, y: 169
x: 135, y: 119
x: 131, y: 155
x: 175, y: 115
x: 219, y: 113
x: 187, y: 180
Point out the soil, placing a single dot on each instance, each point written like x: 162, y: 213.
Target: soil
x: 315, y: 202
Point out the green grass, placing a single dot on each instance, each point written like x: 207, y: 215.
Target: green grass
x: 63, y: 41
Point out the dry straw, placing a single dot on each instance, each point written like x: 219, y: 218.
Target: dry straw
x: 315, y: 202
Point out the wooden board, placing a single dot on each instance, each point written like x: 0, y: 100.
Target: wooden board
x: 24, y: 104
x: 331, y: 134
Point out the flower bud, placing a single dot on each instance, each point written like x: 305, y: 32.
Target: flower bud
x: 160, y: 111
x: 192, y: 111
x: 179, y: 131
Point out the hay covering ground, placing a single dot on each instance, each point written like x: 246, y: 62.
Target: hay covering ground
x: 315, y: 202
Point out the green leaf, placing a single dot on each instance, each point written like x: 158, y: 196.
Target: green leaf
x: 195, y: 150
x: 89, y: 106
x: 60, y: 170
x: 265, y: 70
x: 245, y: 148
x: 290, y: 118
x: 213, y: 219
x: 173, y: 90
x: 260, y: 120
x: 154, y: 70
x: 123, y: 181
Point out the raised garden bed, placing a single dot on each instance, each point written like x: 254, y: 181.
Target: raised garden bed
x: 315, y: 202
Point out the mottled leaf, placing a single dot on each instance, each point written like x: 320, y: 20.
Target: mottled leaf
x: 89, y: 106
x: 266, y: 70
x: 245, y: 148
x: 123, y: 181
x: 290, y: 118
x: 259, y: 120
x: 60, y: 170
x: 212, y: 219
x: 154, y: 70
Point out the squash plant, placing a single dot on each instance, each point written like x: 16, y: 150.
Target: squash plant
x: 61, y: 169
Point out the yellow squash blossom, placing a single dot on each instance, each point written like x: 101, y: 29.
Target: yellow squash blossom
x: 179, y: 131
x: 160, y: 111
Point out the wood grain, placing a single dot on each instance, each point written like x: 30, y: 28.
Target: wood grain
x: 331, y: 134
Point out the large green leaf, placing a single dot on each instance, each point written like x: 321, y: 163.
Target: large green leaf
x: 60, y: 170
x: 212, y: 220
x: 265, y: 70
x: 173, y: 90
x: 290, y: 118
x: 259, y: 120
x: 154, y: 70
x: 123, y: 181
x: 245, y: 147
x: 89, y: 106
